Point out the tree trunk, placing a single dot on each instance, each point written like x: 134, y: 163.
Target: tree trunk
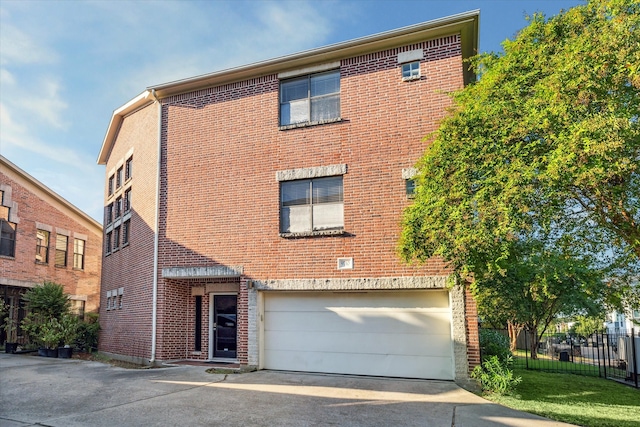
x: 534, y: 340
x: 514, y: 331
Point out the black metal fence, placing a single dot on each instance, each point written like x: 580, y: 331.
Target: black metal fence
x: 608, y: 355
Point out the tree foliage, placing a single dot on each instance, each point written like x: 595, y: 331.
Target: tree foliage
x: 544, y: 147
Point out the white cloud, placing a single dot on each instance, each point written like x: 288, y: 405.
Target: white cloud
x: 19, y: 48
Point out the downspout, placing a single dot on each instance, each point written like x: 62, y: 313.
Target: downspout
x: 156, y: 238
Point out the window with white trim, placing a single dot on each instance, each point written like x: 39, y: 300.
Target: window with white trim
x: 313, y: 98
x: 78, y: 253
x: 411, y: 70
x: 309, y: 205
x: 42, y: 246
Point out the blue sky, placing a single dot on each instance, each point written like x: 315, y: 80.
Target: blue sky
x: 66, y: 65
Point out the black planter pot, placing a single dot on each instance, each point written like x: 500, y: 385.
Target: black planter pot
x: 10, y: 347
x: 42, y: 352
x: 65, y: 352
x: 52, y: 352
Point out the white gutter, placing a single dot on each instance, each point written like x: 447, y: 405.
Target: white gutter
x: 156, y: 238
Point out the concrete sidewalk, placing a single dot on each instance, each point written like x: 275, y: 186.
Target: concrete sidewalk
x: 58, y: 392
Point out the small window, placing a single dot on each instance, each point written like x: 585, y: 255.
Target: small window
x: 127, y: 200
x: 61, y: 250
x: 42, y: 246
x: 411, y: 71
x: 108, y: 214
x: 77, y: 308
x: 116, y: 238
x: 410, y: 186
x: 128, y: 168
x: 119, y: 178
x: 126, y: 227
x: 78, y: 253
x: 118, y: 208
x: 311, y: 205
x: 111, y: 181
x: 7, y: 231
x: 310, y: 99
x: 107, y: 243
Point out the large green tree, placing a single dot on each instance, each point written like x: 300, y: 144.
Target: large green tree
x: 544, y: 146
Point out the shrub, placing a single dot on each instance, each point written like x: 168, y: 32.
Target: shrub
x: 87, y: 338
x: 496, y: 376
x: 493, y: 343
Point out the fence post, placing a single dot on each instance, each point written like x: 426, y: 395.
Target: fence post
x: 604, y: 357
x: 633, y: 355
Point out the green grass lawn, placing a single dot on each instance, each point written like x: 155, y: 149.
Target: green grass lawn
x: 575, y: 399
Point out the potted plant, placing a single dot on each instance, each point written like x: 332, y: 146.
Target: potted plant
x: 51, y: 335
x: 10, y: 328
x: 69, y: 333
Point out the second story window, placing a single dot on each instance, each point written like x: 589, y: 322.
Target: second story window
x: 310, y: 99
x: 7, y: 230
x: 118, y: 208
x: 119, y: 180
x: 78, y: 253
x: 311, y: 205
x: 128, y: 168
x: 126, y: 228
x: 111, y: 182
x: 61, y: 250
x: 108, y: 213
x: 411, y: 70
x: 116, y: 238
x: 42, y: 246
x: 107, y: 243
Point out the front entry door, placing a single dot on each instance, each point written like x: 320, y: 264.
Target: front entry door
x: 223, y: 316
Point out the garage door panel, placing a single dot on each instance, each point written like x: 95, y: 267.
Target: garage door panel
x: 381, y: 321
x: 401, y: 334
x: 306, y: 301
x: 359, y: 364
x: 366, y: 343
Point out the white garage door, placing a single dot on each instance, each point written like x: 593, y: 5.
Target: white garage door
x: 395, y: 334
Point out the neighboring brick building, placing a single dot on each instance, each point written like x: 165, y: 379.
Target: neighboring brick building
x: 45, y: 238
x: 252, y: 215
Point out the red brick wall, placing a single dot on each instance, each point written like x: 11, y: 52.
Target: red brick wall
x: 472, y: 330
x: 223, y: 146
x: 31, y: 208
x: 128, y: 330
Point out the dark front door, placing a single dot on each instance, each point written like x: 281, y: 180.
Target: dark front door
x: 225, y: 314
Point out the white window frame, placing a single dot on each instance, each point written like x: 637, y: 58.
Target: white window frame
x: 307, y: 102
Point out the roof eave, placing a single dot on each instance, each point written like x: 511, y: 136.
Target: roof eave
x: 464, y: 23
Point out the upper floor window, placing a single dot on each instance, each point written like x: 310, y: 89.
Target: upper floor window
x: 61, y: 250
x: 107, y: 243
x: 119, y: 177
x: 410, y: 187
x: 118, y: 208
x: 127, y: 200
x: 311, y: 205
x: 7, y: 237
x: 411, y: 70
x: 42, y: 246
x: 78, y: 253
x: 128, y: 168
x: 116, y: 238
x: 126, y: 229
x: 309, y: 99
x: 108, y: 213
x: 111, y: 181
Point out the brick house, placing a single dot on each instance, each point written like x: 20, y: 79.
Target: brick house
x: 252, y: 214
x: 45, y: 238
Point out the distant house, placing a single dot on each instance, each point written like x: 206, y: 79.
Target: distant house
x: 45, y: 238
x: 252, y: 214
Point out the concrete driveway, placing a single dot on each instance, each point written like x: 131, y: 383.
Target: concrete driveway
x: 58, y: 392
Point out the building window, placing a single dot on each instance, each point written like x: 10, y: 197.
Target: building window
x: 310, y: 99
x: 7, y: 230
x: 411, y: 71
x: 7, y: 238
x: 78, y: 253
x: 118, y: 208
x: 119, y: 178
x: 311, y: 205
x: 77, y: 308
x: 127, y: 200
x: 410, y: 187
x: 61, y: 250
x: 116, y: 238
x: 108, y: 214
x: 111, y: 179
x: 107, y: 243
x: 128, y: 168
x: 42, y: 246
x: 126, y: 227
